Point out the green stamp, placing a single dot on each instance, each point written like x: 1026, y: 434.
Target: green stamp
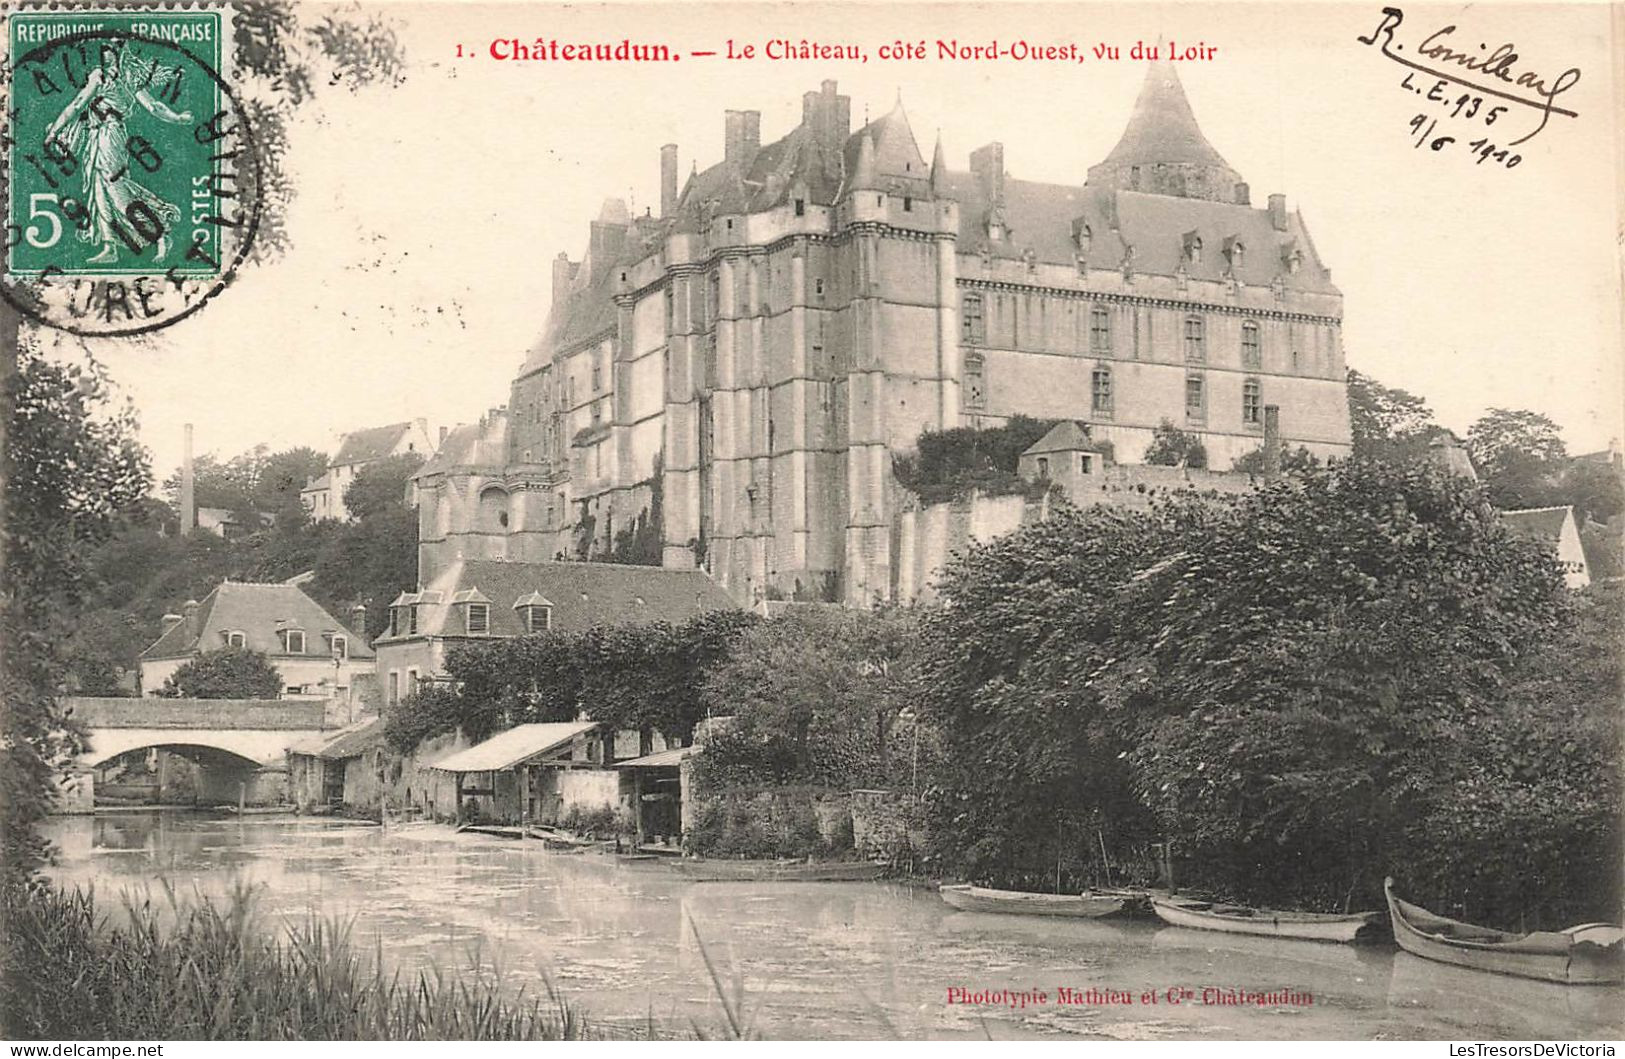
x: 125, y: 152
x: 103, y: 162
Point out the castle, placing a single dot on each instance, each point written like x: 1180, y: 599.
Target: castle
x: 724, y: 385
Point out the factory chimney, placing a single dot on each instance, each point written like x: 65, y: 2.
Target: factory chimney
x: 188, y: 505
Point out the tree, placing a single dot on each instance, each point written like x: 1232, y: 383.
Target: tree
x: 1296, y: 682
x: 1297, y: 459
x: 382, y: 486
x: 282, y: 477
x: 814, y: 696
x: 1521, y: 457
x: 1387, y: 423
x: 1172, y: 447
x: 952, y: 463
x: 229, y: 673
x: 71, y: 466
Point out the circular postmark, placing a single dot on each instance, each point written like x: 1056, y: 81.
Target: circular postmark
x: 132, y: 172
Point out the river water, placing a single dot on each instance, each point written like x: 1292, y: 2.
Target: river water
x: 857, y: 960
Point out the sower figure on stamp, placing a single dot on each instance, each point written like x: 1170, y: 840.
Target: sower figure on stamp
x: 92, y: 129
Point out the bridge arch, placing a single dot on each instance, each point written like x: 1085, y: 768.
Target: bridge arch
x: 251, y: 748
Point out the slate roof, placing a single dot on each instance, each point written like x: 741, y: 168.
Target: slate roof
x: 258, y: 611
x: 482, y: 444
x: 507, y: 749
x: 374, y: 443
x: 1162, y: 127
x: 583, y: 595
x: 351, y: 741
x: 1065, y: 436
x: 1538, y: 523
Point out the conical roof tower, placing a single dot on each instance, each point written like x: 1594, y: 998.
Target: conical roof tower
x: 1163, y: 151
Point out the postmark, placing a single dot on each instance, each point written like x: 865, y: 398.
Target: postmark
x: 132, y: 177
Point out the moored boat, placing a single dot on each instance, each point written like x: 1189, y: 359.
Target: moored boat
x: 1266, y: 922
x: 700, y: 870
x: 1087, y: 905
x: 1589, y: 954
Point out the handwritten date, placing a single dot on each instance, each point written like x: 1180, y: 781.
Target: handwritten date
x: 1481, y: 149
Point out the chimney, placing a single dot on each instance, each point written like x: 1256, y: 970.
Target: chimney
x: 169, y: 622
x: 358, y: 620
x: 668, y: 179
x: 1278, y: 212
x: 1244, y: 195
x: 564, y: 271
x: 829, y: 116
x: 742, y: 136
x: 605, y: 240
x: 442, y: 437
x: 423, y: 426
x: 190, y: 608
x: 1272, y: 442
x: 188, y: 505
x: 988, y: 165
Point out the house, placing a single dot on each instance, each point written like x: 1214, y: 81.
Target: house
x: 223, y: 522
x: 317, y: 655
x: 482, y: 599
x: 1556, y: 527
x: 340, y: 770
x: 324, y: 495
x: 1064, y: 456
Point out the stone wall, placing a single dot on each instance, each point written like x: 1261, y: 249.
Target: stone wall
x: 767, y: 822
x: 886, y: 824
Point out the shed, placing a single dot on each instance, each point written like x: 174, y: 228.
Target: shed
x: 511, y: 753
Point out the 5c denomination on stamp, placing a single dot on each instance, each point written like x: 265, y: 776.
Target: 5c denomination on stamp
x: 133, y: 190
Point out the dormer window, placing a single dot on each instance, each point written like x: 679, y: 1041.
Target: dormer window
x: 1082, y: 236
x: 293, y: 641
x: 478, y: 619
x: 338, y: 645
x: 1238, y: 253
x: 236, y: 638
x: 1294, y: 261
x: 1193, y: 248
x: 535, y: 612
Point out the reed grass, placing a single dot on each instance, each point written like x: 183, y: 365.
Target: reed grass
x: 202, y: 969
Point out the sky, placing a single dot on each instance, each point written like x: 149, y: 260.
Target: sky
x: 427, y: 214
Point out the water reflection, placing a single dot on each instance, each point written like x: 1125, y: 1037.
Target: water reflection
x: 816, y: 959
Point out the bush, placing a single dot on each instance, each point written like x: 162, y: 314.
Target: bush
x: 950, y: 464
x: 229, y: 673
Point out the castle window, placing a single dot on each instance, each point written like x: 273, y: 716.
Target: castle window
x: 1100, y: 330
x: 908, y: 204
x: 1294, y: 362
x: 236, y: 638
x: 1082, y: 237
x: 1195, y: 398
x: 1043, y: 467
x: 1086, y: 463
x: 1237, y: 254
x: 1100, y: 391
x: 818, y: 287
x: 394, y: 687
x: 972, y: 326
x: 1251, y: 357
x: 1195, y: 340
x: 1193, y: 248
x: 293, y: 641
x: 1252, y: 403
x: 597, y: 375
x: 801, y: 207
x: 493, y: 510
x: 477, y: 619
x: 975, y: 393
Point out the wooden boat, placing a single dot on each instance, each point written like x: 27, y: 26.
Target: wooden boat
x: 1267, y: 922
x: 256, y: 810
x: 700, y: 870
x: 1087, y: 905
x: 1589, y: 954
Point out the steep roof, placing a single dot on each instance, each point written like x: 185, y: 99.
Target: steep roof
x: 374, y: 443
x: 582, y: 595
x: 1162, y: 127
x: 519, y: 743
x: 259, y: 612
x: 482, y: 444
x: 351, y: 741
x: 1539, y: 523
x: 1065, y: 436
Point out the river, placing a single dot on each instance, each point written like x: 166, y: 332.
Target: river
x: 855, y: 960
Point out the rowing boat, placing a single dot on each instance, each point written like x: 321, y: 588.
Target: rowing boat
x: 1267, y: 922
x: 1589, y: 954
x: 1087, y: 905
x: 700, y: 870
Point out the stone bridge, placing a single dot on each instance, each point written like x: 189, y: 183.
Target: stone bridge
x: 235, y: 742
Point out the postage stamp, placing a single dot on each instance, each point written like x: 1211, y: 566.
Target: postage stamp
x: 131, y: 190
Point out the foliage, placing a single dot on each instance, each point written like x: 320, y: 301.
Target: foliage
x: 642, y: 677
x: 762, y: 824
x: 1521, y: 457
x: 1172, y: 447
x: 602, y: 821
x: 382, y: 486
x: 203, y: 970
x: 229, y: 673
x: 641, y: 543
x: 1387, y: 423
x: 814, y: 696
x: 374, y: 557
x: 429, y: 710
x: 71, y: 468
x: 950, y: 464
x: 1297, y: 682
x: 1292, y: 460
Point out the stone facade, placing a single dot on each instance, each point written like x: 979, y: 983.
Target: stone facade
x: 725, y: 384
